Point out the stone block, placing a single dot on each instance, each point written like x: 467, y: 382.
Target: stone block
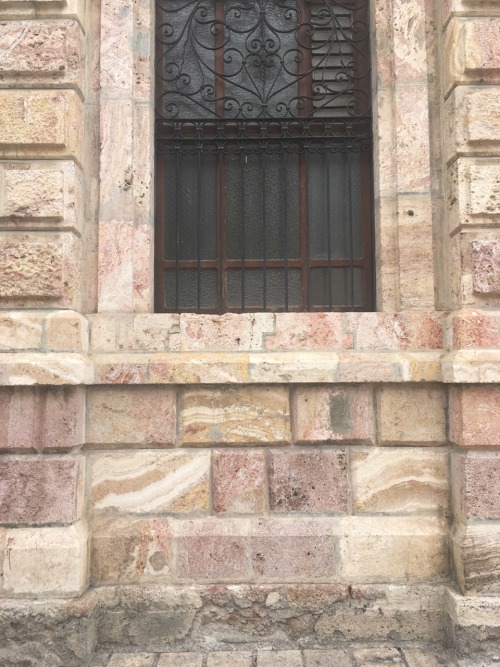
x: 273, y: 658
x: 327, y: 658
x: 140, y: 416
x: 393, y: 549
x: 412, y: 139
x: 212, y: 550
x: 472, y: 121
x: 158, y: 332
x: 400, y: 481
x: 411, y: 415
x: 126, y: 551
x: 119, y: 369
x: 181, y: 660
x: 396, y: 331
x: 46, y: 53
x: 36, y: 491
x: 39, y: 269
x: 46, y: 419
x: 475, y: 487
x: 239, y: 481
x: 476, y: 558
x: 473, y: 192
x: 46, y: 561
x: 333, y: 414
x: 142, y: 482
x: 486, y: 267
x: 21, y: 9
x: 309, y: 331
x: 37, y: 123
x: 308, y: 480
x: 21, y: 331
x: 230, y: 659
x: 475, y: 416
x: 469, y: 8
x: 470, y: 55
x: 234, y: 416
x: 42, y: 193
x: 293, y: 550
x: 381, y: 655
x: 417, y: 657
x: 474, y: 328
x: 231, y: 332
x: 66, y: 331
x: 132, y: 660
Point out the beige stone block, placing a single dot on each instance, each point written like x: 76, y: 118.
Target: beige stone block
x: 381, y: 655
x: 470, y: 52
x: 472, y: 121
x: 476, y: 558
x: 22, y: 9
x: 231, y: 332
x: 335, y: 414
x: 116, y: 266
x: 140, y: 416
x: 181, y: 660
x: 412, y: 140
x: 117, y: 57
x: 66, y: 331
x: 393, y: 549
x: 411, y: 415
x: 243, y: 415
x: 230, y: 659
x: 410, y: 55
x: 396, y: 481
x: 132, y: 660
x: 469, y: 8
x: 47, y: 368
x: 142, y: 482
x: 21, y: 330
x: 473, y: 192
x: 126, y: 551
x: 157, y: 332
x: 273, y: 658
x: 45, y: 53
x: 327, y: 658
x: 40, y: 122
x: 46, y: 561
x: 45, y: 194
x: 36, y: 269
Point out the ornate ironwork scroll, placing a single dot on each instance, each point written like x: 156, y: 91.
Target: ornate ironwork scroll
x: 262, y: 58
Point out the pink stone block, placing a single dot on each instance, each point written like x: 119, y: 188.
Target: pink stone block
x: 412, y: 118
x: 311, y: 480
x: 396, y: 331
x: 116, y: 266
x: 476, y: 486
x: 229, y: 332
x: 292, y: 550
x: 338, y: 413
x: 486, y: 267
x: 39, y: 491
x: 239, y: 481
x: 474, y: 328
x: 42, y: 419
x: 309, y: 331
x: 475, y: 416
x: 211, y: 551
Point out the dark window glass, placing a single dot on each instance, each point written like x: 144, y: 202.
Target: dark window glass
x: 263, y: 155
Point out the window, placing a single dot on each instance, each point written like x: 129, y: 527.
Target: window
x: 263, y: 156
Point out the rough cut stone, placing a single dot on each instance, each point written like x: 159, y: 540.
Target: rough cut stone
x: 132, y: 660
x: 399, y: 480
x: 475, y: 485
x: 273, y: 658
x: 239, y: 481
x: 327, y: 658
x: 230, y: 659
x: 383, y: 655
x: 333, y: 414
x: 40, y: 491
x: 37, y: 122
x: 141, y: 416
x: 30, y: 267
x: 246, y: 415
x: 411, y: 415
x: 308, y: 481
x: 150, y: 481
x: 181, y: 660
x: 486, y: 267
x: 475, y: 416
x: 125, y: 551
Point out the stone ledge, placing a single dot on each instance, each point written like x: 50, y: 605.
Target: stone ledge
x: 471, y: 367
x: 47, y: 9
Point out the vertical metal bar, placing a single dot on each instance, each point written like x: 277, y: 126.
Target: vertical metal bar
x: 284, y: 188
x: 349, y: 205
x: 177, y: 228
x: 328, y: 226
x: 264, y: 231
x: 243, y: 249
x: 198, y: 224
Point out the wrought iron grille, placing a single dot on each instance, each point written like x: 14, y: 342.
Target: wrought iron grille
x: 263, y: 143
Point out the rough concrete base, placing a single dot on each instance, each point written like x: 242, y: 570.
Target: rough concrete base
x: 211, y: 618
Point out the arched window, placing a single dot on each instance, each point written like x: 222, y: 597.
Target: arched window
x: 263, y: 156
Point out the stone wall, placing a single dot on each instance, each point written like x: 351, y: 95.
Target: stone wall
x: 176, y: 479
